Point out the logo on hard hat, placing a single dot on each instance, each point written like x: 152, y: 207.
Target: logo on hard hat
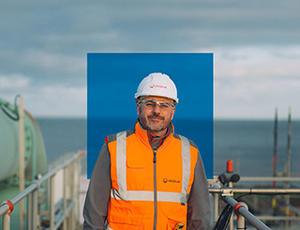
x: 158, y: 86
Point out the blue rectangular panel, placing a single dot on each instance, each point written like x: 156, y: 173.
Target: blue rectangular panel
x: 112, y: 80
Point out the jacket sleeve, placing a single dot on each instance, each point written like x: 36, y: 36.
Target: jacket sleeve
x: 98, y: 194
x: 198, y: 217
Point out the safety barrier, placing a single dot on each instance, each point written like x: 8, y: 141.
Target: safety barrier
x: 66, y: 214
x: 241, y: 209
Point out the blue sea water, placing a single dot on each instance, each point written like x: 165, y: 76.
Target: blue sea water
x: 249, y: 143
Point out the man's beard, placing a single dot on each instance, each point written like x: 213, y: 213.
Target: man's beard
x: 146, y: 123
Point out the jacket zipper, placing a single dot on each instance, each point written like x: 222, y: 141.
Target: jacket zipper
x: 155, y: 190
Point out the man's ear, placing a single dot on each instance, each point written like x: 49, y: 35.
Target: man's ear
x: 138, y: 109
x: 173, y: 111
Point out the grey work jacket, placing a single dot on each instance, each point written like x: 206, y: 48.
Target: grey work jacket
x: 98, y: 196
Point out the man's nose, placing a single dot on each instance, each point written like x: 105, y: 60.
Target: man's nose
x: 156, y: 108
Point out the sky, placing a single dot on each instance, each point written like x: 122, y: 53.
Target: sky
x: 256, y: 46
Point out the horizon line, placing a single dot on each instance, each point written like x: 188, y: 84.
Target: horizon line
x: 176, y: 118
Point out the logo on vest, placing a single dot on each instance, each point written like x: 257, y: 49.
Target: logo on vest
x: 166, y: 180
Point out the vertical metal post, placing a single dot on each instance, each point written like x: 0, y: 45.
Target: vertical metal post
x: 65, y: 179
x: 68, y: 192
x: 75, y: 193
x: 275, y: 147
x: 72, y: 193
x: 48, y: 195
x: 6, y: 221
x: 288, y: 168
x: 231, y: 218
x: 77, y: 186
x: 52, y: 214
x: 216, y: 207
x: 21, y: 160
x: 275, y: 158
x: 35, y: 214
x: 289, y: 145
x: 29, y: 211
x: 241, y: 223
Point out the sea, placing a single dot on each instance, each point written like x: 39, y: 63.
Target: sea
x: 249, y: 143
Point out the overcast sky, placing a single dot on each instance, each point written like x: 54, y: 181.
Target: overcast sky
x: 43, y: 46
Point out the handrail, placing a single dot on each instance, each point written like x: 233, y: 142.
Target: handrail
x: 57, y: 168
x: 261, y: 179
x: 245, y: 213
x: 270, y: 179
x: 254, y: 190
x: 216, y: 190
x: 5, y: 209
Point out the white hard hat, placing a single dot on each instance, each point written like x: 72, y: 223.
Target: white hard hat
x: 157, y: 84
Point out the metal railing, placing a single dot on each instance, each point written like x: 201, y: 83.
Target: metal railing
x: 71, y: 169
x: 69, y: 207
x: 227, y: 193
x: 241, y: 209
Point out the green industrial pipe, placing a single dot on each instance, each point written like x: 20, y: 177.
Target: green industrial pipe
x: 35, y: 160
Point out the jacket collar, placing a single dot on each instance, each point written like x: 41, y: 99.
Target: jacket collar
x: 143, y: 134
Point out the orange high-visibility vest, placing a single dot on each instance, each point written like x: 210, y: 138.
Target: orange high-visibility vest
x: 149, y: 189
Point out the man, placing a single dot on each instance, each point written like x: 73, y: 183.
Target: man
x: 149, y: 177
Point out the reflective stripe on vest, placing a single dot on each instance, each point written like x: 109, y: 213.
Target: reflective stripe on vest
x: 123, y: 194
x: 121, y: 162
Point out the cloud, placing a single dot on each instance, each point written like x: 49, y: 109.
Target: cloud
x: 195, y: 24
x: 256, y: 46
x: 258, y: 62
x: 57, y: 101
x: 13, y: 81
x: 54, y: 61
x: 48, y: 100
x: 159, y: 25
x: 250, y: 82
x: 44, y: 67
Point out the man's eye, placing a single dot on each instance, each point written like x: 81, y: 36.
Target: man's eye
x: 164, y: 105
x: 150, y: 104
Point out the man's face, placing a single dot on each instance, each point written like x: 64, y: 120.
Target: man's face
x: 153, y: 116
